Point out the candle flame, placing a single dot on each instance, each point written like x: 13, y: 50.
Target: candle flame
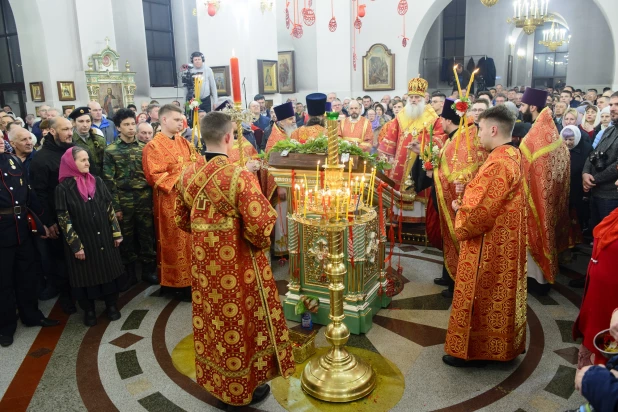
x: 476, y: 71
x: 233, y: 53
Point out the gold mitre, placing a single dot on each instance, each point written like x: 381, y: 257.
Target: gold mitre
x: 417, y: 86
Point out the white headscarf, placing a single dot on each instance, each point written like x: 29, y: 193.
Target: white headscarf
x: 604, y: 111
x: 576, y: 133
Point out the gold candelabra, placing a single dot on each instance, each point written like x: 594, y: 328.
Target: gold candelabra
x: 530, y: 14
x: 336, y: 376
x: 553, y: 38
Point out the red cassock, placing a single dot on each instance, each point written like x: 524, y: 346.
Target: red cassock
x: 488, y: 316
x: 240, y: 333
x: 163, y: 160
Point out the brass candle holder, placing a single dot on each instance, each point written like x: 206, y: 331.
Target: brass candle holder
x: 336, y: 376
x: 239, y: 116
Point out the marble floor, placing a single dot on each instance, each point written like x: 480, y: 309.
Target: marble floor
x: 127, y: 365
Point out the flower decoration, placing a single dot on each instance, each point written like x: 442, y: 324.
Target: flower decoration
x: 194, y: 103
x: 461, y: 106
x: 430, y: 154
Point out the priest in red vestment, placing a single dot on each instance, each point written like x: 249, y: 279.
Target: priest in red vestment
x: 440, y: 222
x: 547, y: 167
x: 240, y: 333
x: 314, y: 127
x: 164, y: 158
x: 488, y: 316
x: 356, y: 128
x: 410, y: 124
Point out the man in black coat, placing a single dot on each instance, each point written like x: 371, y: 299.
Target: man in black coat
x: 18, y: 286
x: 44, y: 171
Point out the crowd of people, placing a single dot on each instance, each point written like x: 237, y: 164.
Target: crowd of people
x: 112, y: 195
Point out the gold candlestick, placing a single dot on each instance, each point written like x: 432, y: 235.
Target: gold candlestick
x: 238, y: 116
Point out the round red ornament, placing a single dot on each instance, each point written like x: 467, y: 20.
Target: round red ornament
x: 308, y: 17
x: 212, y: 9
x: 358, y: 23
x: 404, y: 42
x: 402, y: 7
x: 461, y: 107
x: 361, y: 10
x: 332, y: 24
x: 297, y: 31
x: 428, y: 166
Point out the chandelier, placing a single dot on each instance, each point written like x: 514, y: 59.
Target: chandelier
x: 266, y: 6
x: 553, y: 38
x: 489, y: 3
x: 529, y: 14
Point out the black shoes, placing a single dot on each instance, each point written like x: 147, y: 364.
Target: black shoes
x: 90, y: 318
x: 260, y: 393
x: 113, y: 313
x: 46, y: 322
x: 149, y: 273
x: 67, y: 305
x: 447, y: 293
x: 441, y: 281
x: 577, y: 283
x: 461, y: 363
x: 6, y: 340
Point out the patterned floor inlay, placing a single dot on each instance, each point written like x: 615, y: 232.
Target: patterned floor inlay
x: 421, y: 334
x: 432, y: 252
x: 128, y: 365
x: 40, y: 352
x: 563, y: 382
x: 427, y: 302
x: 134, y: 320
x: 362, y: 342
x: 566, y: 330
x: 568, y: 354
x: 546, y: 300
x: 126, y: 340
x: 159, y: 403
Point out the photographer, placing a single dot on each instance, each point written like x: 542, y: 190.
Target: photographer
x: 209, y: 88
x: 600, y: 171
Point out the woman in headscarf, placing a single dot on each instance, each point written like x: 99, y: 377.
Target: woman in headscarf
x: 600, y: 300
x: 92, y: 234
x: 604, y: 121
x: 579, y: 149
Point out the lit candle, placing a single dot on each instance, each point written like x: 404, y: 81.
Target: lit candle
x: 457, y: 79
x: 362, y: 189
x: 297, y: 197
x: 372, y: 184
x: 235, y: 78
x: 471, y: 82
x: 317, y: 176
x: 364, y: 167
x: 468, y: 140
x: 305, y: 205
x: 423, y: 143
x: 350, y: 172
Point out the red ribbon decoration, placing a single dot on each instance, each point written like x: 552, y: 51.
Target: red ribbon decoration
x: 381, y: 187
x: 391, y: 230
x: 351, y: 249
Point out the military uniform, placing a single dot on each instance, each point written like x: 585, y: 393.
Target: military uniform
x: 124, y: 176
x: 95, y: 145
x: 18, y: 272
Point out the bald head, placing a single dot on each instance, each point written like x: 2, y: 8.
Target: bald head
x: 255, y: 108
x: 145, y: 132
x: 95, y: 111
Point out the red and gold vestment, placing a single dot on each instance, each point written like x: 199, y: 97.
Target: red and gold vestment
x: 488, y: 316
x: 240, y: 332
x: 305, y: 133
x: 547, y: 168
x: 359, y: 132
x: 163, y: 160
x: 445, y: 176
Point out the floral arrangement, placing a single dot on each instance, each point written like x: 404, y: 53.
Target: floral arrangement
x: 319, y: 145
x: 430, y: 154
x: 193, y: 104
x: 461, y: 106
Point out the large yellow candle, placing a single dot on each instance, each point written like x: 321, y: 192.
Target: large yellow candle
x: 457, y: 80
x: 305, y: 205
x: 317, y: 176
x: 467, y: 138
x: 471, y: 82
x: 362, y: 189
x: 372, y: 183
x: 350, y: 172
x: 458, y: 136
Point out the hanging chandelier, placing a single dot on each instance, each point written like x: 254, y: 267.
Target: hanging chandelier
x: 489, y: 3
x: 529, y: 14
x: 266, y: 6
x: 553, y: 38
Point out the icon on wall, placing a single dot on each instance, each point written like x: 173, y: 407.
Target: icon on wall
x: 66, y: 91
x: 36, y: 92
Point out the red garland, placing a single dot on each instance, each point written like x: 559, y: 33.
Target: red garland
x: 461, y: 107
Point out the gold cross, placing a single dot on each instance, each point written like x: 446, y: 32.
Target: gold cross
x: 220, y: 348
x: 211, y: 212
x: 215, y: 296
x: 211, y: 239
x: 260, y: 363
x: 275, y: 313
x: 218, y: 323
x: 285, y: 335
x: 260, y: 338
x: 213, y: 268
x: 259, y: 313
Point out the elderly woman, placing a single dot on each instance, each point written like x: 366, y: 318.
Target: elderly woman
x: 604, y: 121
x: 92, y: 234
x: 579, y: 149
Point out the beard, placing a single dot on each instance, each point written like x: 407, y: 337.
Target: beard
x: 354, y: 116
x: 289, y: 129
x: 527, y: 116
x: 414, y: 111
